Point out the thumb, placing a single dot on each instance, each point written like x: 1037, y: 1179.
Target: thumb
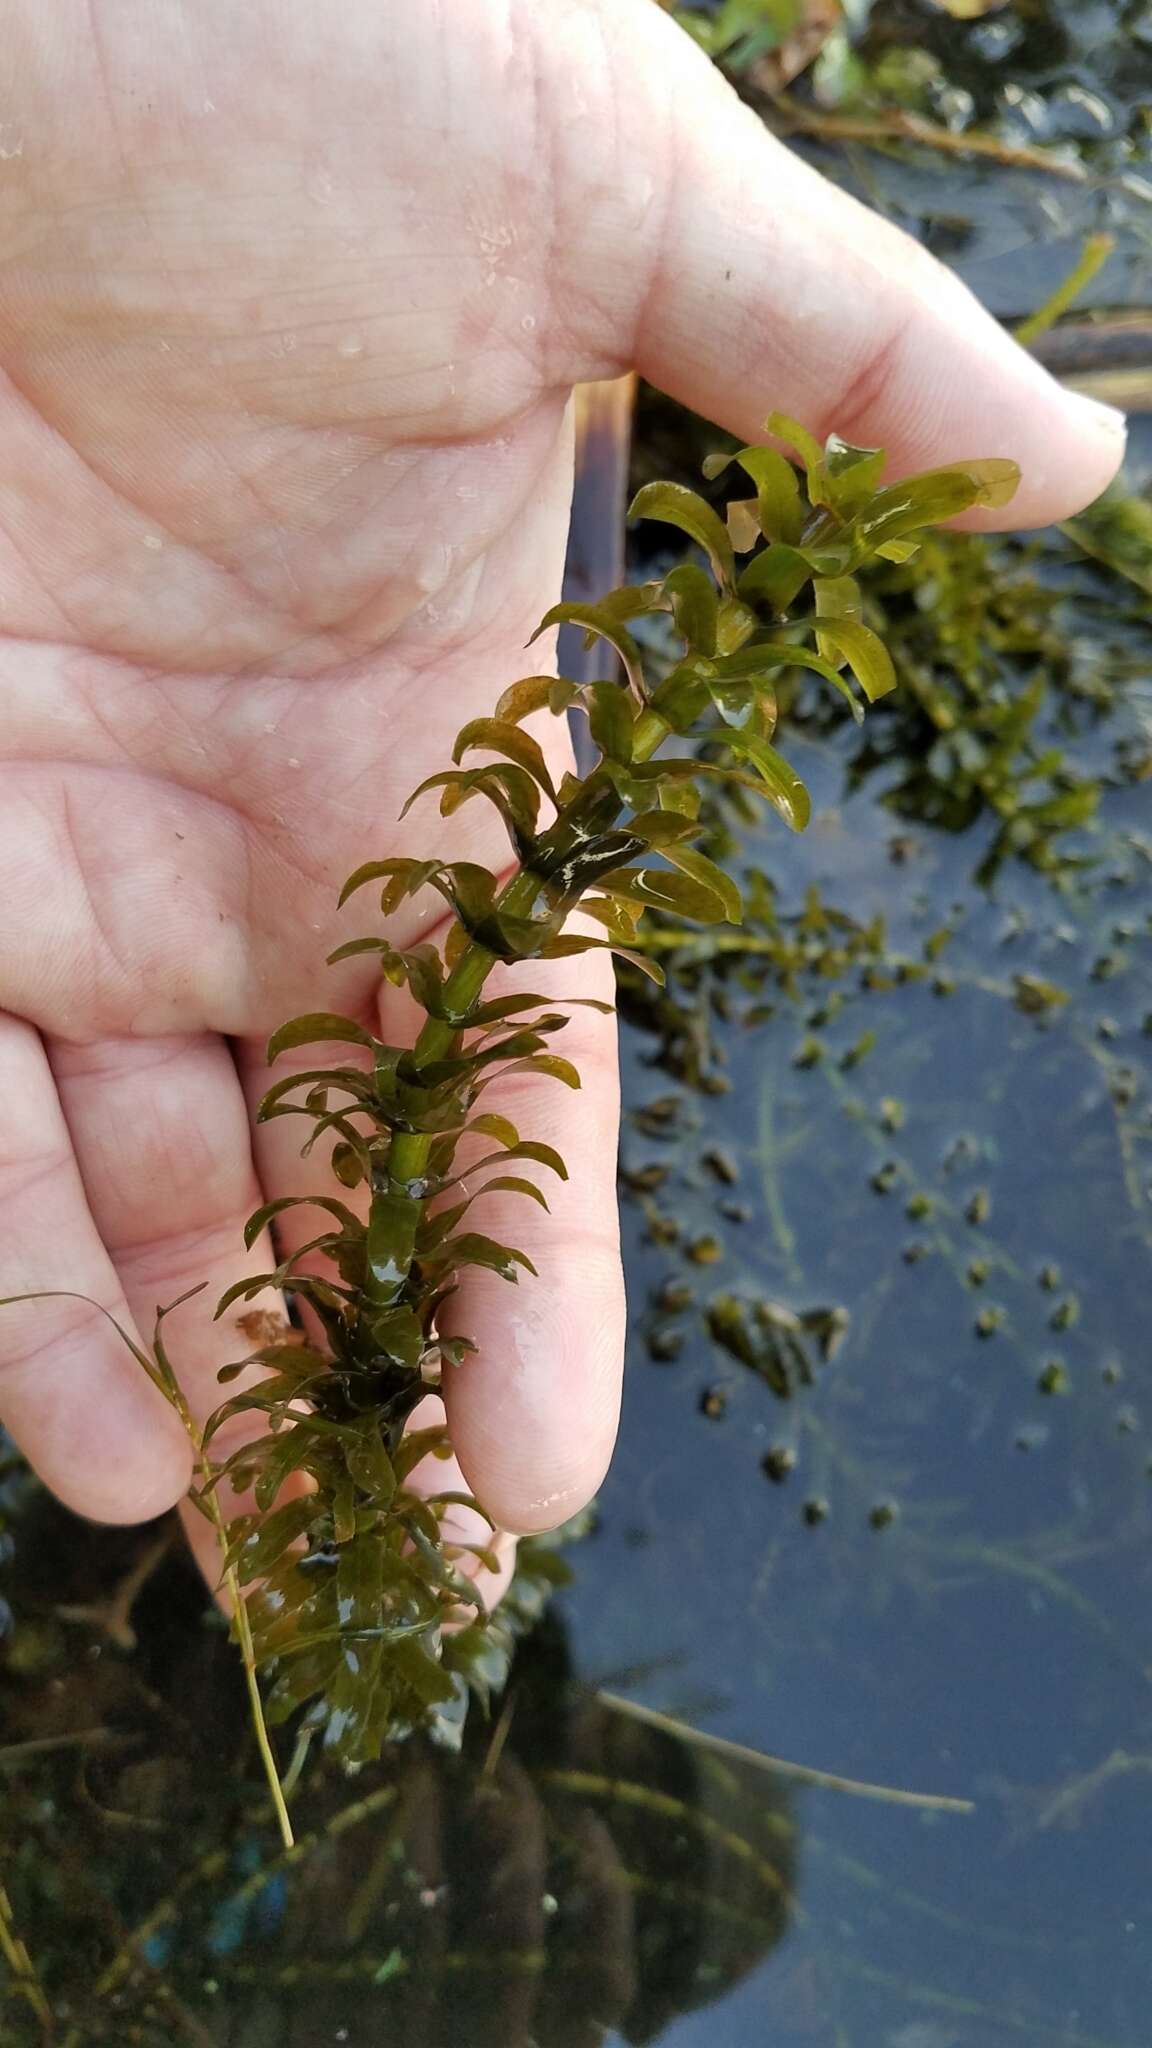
x: 703, y: 253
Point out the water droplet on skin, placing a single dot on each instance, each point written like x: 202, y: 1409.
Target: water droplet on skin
x: 153, y: 541
x: 293, y: 762
x: 350, y: 345
x: 528, y: 323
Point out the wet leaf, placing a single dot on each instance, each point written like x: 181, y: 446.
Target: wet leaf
x: 536, y: 693
x: 610, y: 719
x: 851, y: 475
x: 473, y: 1248
x: 774, y: 577
x: 677, y: 506
x: 867, y: 655
x: 599, y: 621
x: 694, y: 607
x: 313, y: 1029
x: 783, y: 786
x: 781, y: 513
x: 807, y: 448
x: 498, y: 736
x: 262, y: 1217
x: 700, y: 869
x: 934, y: 495
x: 401, y: 878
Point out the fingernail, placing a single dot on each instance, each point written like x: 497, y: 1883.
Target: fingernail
x: 1108, y: 418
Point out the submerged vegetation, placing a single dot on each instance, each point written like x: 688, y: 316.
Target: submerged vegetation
x: 356, y: 1602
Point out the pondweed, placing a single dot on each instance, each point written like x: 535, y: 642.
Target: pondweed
x: 357, y: 1607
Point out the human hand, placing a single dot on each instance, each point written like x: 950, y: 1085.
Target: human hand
x: 291, y: 306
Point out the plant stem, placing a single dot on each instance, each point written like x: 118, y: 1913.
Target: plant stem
x: 21, y: 1965
x: 408, y: 1157
x: 210, y: 1499
x: 904, y: 126
x: 1093, y: 256
x: 892, y: 1795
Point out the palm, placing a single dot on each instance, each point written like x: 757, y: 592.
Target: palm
x: 289, y: 317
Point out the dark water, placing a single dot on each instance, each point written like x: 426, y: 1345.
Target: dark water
x: 882, y: 1506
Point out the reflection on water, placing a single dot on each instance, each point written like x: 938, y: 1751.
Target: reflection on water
x: 574, y: 1870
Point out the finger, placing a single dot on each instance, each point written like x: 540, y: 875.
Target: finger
x: 160, y: 1131
x: 81, y: 1408
x: 737, y: 279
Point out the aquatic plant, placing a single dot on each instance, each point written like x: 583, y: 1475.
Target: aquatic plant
x: 350, y: 1592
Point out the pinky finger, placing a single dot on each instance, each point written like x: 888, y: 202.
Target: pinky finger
x: 78, y: 1404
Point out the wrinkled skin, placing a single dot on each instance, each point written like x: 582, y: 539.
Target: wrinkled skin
x: 292, y: 302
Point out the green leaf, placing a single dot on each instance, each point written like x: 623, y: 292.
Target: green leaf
x: 682, y: 696
x: 851, y: 475
x: 694, y: 607
x: 677, y: 506
x: 311, y: 1285
x: 600, y: 621
x: 257, y: 1542
x: 423, y: 970
x: 396, y: 1333
x: 551, y: 1064
x: 312, y: 1029
x: 934, y: 495
x: 352, y: 948
x: 497, y: 736
x: 512, y: 1184
x: 657, y: 888
x: 837, y: 597
x: 774, y: 577
x: 416, y: 1664
x: 784, y: 788
x: 781, y: 513
x: 662, y: 828
x: 742, y: 519
x: 868, y: 658
x: 470, y: 889
x: 807, y: 448
x: 348, y: 1080
x: 524, y: 1148
x: 500, y: 1007
x: 512, y: 790
x: 435, y: 1228
x: 492, y: 1126
x: 700, y: 869
x: 472, y: 1248
x: 155, y: 1373
x: 401, y: 877
x: 418, y: 1444
x: 369, y: 1464
x: 261, y: 1217
x: 610, y: 719
x: 536, y: 693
